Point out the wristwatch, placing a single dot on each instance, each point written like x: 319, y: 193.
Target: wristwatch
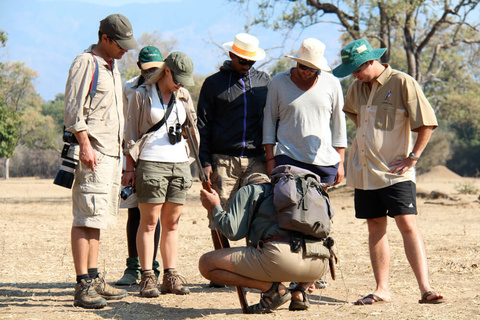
x: 412, y: 156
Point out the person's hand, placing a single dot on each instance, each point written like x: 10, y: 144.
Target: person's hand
x: 88, y: 156
x: 208, y: 173
x: 340, y: 174
x: 401, y: 166
x: 209, y: 200
x: 128, y: 178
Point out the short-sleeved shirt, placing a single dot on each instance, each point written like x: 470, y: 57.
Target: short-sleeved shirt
x: 385, y: 116
x: 102, y: 116
x: 305, y: 125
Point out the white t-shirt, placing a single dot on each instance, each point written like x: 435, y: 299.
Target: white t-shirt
x: 158, y: 147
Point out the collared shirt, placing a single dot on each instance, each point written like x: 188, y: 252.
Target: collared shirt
x: 385, y: 116
x: 102, y: 116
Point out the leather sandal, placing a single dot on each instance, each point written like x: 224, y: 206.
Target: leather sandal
x: 276, y: 300
x: 300, y: 305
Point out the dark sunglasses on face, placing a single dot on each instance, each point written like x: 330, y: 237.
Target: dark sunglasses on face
x: 245, y: 62
x: 303, y: 67
x: 359, y: 69
x: 174, y: 80
x: 116, y: 43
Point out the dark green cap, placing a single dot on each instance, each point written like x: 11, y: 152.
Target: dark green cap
x: 354, y: 55
x: 118, y: 28
x: 181, y: 66
x: 150, y: 57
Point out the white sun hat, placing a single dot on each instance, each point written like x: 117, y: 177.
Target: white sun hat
x: 245, y: 46
x: 311, y: 54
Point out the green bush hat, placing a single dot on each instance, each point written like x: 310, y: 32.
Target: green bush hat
x: 118, y: 28
x: 181, y: 66
x: 150, y: 57
x: 354, y: 55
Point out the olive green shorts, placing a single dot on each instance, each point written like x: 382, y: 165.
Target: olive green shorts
x: 157, y: 182
x: 275, y: 262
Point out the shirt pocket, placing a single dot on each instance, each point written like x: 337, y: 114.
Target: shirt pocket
x: 385, y: 117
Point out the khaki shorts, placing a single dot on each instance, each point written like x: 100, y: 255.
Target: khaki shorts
x: 229, y: 171
x: 157, y: 182
x: 96, y: 194
x: 274, y: 262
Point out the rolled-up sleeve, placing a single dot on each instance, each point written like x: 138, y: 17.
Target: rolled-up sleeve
x: 76, y: 93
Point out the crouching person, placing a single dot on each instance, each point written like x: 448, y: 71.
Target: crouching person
x: 272, y: 256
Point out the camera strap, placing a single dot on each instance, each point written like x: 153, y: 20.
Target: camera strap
x: 160, y: 123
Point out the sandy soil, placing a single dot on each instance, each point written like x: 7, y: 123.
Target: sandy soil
x: 37, y: 275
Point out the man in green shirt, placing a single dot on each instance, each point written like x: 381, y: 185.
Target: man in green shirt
x: 268, y: 259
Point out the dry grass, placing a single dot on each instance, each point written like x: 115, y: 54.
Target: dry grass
x: 37, y: 276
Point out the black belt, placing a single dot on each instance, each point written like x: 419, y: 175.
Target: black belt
x: 286, y: 239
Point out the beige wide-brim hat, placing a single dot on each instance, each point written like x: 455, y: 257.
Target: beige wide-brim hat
x: 311, y: 54
x: 245, y: 46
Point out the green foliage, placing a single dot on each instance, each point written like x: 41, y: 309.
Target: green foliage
x: 55, y: 109
x: 9, y: 134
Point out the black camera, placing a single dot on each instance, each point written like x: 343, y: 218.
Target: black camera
x: 175, y: 134
x: 65, y: 175
x: 127, y: 192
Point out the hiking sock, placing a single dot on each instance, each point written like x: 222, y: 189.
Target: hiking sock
x: 146, y: 270
x: 165, y: 271
x: 93, y: 273
x: 82, y: 277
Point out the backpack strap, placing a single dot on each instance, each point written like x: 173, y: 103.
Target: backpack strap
x: 94, y: 83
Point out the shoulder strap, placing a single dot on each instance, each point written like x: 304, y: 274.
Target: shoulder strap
x: 93, y: 85
x: 160, y: 123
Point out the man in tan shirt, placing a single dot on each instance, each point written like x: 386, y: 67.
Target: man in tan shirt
x: 386, y: 105
x: 96, y: 120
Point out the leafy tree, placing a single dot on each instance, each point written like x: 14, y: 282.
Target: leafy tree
x: 437, y: 43
x: 55, y: 109
x: 8, y: 131
x: 21, y: 116
x: 420, y: 29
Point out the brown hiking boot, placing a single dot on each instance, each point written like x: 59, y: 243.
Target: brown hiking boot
x: 148, y: 285
x: 87, y: 297
x: 172, y: 283
x: 107, y: 291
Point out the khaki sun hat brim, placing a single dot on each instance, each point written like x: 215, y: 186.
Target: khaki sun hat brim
x: 319, y: 64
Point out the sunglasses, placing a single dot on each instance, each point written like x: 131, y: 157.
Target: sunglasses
x: 360, y: 69
x: 245, y: 62
x: 303, y: 67
x: 174, y: 80
x: 116, y: 43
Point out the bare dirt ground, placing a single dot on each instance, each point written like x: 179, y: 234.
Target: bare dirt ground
x: 37, y: 275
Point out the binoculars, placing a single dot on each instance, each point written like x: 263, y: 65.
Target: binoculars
x: 175, y: 134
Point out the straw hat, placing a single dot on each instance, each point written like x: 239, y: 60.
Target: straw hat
x: 245, y: 46
x: 311, y: 54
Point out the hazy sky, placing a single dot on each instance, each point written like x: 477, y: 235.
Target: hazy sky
x: 48, y: 34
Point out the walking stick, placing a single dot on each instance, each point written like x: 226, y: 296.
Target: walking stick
x: 219, y: 240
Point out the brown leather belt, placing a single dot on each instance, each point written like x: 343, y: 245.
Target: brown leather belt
x: 286, y: 239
